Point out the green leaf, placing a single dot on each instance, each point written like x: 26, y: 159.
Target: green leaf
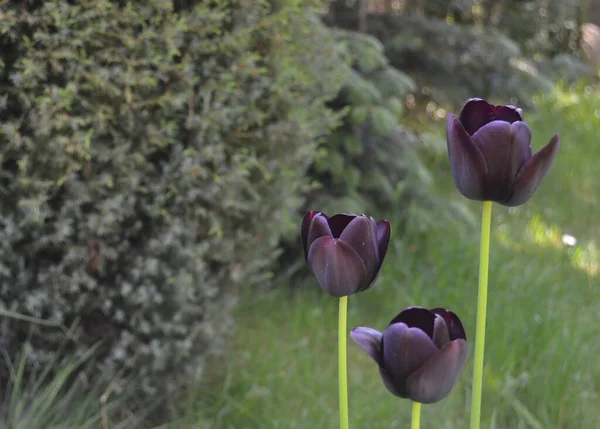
x: 360, y: 114
x: 361, y: 91
x: 395, y: 105
x: 392, y: 82
x: 383, y: 120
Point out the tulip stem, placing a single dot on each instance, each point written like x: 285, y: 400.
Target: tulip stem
x: 416, y: 416
x: 484, y: 262
x: 342, y: 362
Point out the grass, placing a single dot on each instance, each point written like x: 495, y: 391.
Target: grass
x: 541, y: 368
x: 55, y: 398
x: 542, y: 348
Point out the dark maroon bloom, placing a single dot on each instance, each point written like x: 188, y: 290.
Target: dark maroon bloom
x: 490, y: 153
x: 345, y: 251
x: 420, y: 354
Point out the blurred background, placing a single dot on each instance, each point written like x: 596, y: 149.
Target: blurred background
x: 157, y: 158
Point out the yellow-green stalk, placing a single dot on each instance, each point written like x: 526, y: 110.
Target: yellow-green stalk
x: 342, y: 362
x: 484, y: 262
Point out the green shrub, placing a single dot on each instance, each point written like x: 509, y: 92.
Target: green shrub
x: 150, y: 156
x: 455, y: 50
x: 369, y: 160
x: 456, y: 62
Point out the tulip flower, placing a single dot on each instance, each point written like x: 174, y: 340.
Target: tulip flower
x: 491, y: 159
x: 345, y: 251
x: 490, y: 153
x: 420, y: 354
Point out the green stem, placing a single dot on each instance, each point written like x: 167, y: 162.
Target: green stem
x: 342, y: 363
x: 416, y: 416
x: 484, y: 262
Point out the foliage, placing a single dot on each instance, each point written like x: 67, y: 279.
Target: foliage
x: 368, y: 158
x: 459, y: 49
x: 543, y: 27
x: 456, y: 62
x: 372, y: 163
x: 49, y: 399
x: 540, y: 27
x: 151, y: 156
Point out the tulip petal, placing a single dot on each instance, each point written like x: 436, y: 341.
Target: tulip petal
x: 337, y: 267
x: 497, y: 143
x: 507, y: 113
x: 469, y: 168
x: 441, y: 336
x: 477, y: 112
x: 384, y: 231
x: 395, y: 389
x: 378, y: 260
x: 455, y: 327
x: 521, y: 144
x: 339, y: 222
x: 532, y: 173
x: 390, y: 380
x: 511, y: 107
x: 319, y: 227
x: 416, y: 317
x: 306, y: 221
x: 370, y: 341
x: 405, y: 351
x: 435, y: 379
x: 359, y: 234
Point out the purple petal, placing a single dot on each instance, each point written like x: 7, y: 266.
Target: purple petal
x: 507, y: 113
x: 339, y: 222
x: 318, y: 228
x: 389, y: 380
x: 441, y: 336
x: 468, y: 164
x: 477, y: 112
x: 532, y: 173
x: 434, y: 380
x: 416, y: 317
x: 516, y: 109
x: 521, y: 143
x: 391, y: 385
x: 306, y: 221
x: 384, y: 231
x: 504, y: 147
x: 337, y: 267
x: 370, y: 341
x: 359, y: 234
x: 404, y: 351
x: 455, y: 327
x: 375, y: 272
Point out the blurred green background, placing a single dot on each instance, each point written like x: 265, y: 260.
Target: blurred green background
x: 157, y: 158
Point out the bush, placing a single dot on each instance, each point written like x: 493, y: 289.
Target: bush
x: 456, y: 62
x: 459, y: 49
x: 151, y: 156
x: 371, y: 163
x: 368, y: 159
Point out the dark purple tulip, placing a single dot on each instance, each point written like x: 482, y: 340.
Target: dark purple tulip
x: 345, y: 251
x: 490, y: 153
x: 420, y: 354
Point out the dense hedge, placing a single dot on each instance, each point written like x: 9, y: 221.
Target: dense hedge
x: 151, y: 155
